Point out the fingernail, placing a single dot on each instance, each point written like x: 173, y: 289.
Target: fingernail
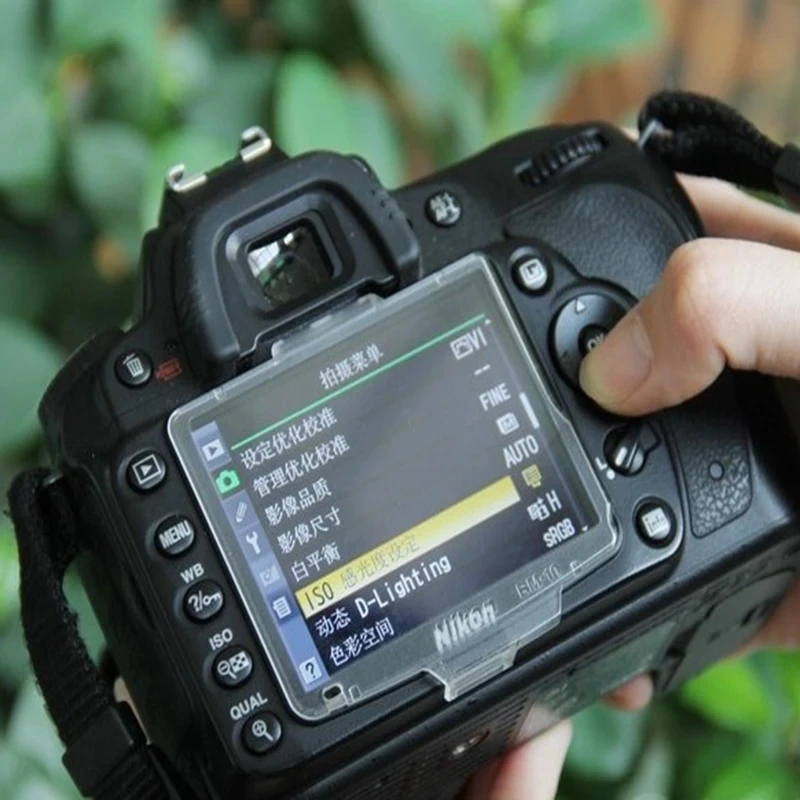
x: 614, y: 370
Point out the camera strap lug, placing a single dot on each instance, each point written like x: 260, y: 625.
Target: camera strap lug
x: 107, y: 754
x: 701, y: 136
x: 254, y: 143
x: 178, y: 181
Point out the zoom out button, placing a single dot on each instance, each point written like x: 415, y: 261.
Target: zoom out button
x: 232, y: 667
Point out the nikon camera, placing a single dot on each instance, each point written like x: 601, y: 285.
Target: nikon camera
x: 350, y: 527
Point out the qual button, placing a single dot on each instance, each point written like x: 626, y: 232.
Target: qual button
x: 261, y: 733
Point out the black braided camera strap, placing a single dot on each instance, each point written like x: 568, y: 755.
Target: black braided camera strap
x: 106, y: 751
x: 700, y: 136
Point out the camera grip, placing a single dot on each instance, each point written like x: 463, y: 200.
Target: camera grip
x: 712, y: 447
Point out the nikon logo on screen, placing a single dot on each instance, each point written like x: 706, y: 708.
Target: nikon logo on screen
x: 462, y: 625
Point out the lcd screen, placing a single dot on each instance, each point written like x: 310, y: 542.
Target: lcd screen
x: 373, y: 485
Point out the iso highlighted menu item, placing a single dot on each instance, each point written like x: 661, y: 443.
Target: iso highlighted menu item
x: 407, y: 546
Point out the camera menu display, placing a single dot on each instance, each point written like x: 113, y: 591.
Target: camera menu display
x: 376, y: 485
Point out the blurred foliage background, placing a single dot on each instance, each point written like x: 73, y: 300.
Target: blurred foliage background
x: 99, y: 98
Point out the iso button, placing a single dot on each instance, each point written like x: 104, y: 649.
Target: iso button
x: 203, y: 601
x: 531, y: 273
x: 232, y: 667
x: 261, y: 733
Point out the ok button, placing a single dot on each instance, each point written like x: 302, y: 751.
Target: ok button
x: 590, y: 337
x: 581, y: 325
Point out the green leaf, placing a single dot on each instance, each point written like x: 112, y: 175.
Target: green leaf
x: 187, y: 66
x: 730, y: 695
x: 9, y: 575
x: 653, y: 775
x: 751, y: 776
x: 87, y: 621
x: 31, y: 734
x: 605, y: 743
x: 581, y: 31
x: 41, y: 789
x: 788, y: 667
x: 22, y: 288
x: 311, y: 107
x: 299, y: 19
x: 701, y: 751
x: 28, y: 138
x: 419, y: 40
x: 83, y: 26
x: 234, y: 97
x: 375, y: 136
x: 17, y: 42
x: 198, y: 151
x: 15, y: 665
x: 30, y: 361
x: 316, y: 110
x: 108, y: 165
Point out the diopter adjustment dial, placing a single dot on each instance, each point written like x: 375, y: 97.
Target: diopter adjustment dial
x: 576, y: 148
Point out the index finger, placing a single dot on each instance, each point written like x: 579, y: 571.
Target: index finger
x: 729, y: 213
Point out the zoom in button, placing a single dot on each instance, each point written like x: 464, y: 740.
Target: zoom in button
x: 261, y: 733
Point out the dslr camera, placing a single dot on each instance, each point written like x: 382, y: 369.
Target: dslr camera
x: 348, y: 523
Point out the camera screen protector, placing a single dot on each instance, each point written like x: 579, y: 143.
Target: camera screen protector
x: 394, y: 493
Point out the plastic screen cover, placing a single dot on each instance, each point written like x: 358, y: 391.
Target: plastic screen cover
x: 394, y: 493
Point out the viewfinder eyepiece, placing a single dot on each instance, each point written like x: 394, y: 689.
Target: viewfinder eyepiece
x: 289, y: 266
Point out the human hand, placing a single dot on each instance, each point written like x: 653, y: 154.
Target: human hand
x: 530, y: 772
x: 725, y: 300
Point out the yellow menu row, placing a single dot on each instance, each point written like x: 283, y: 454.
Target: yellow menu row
x: 407, y: 546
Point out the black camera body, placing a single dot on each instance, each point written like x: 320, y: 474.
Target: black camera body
x: 266, y: 259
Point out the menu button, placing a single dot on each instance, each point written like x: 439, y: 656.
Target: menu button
x: 174, y: 536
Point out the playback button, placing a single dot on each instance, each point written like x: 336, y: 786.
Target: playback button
x: 147, y: 472
x: 203, y: 601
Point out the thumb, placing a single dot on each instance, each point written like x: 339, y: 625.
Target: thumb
x: 718, y: 302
